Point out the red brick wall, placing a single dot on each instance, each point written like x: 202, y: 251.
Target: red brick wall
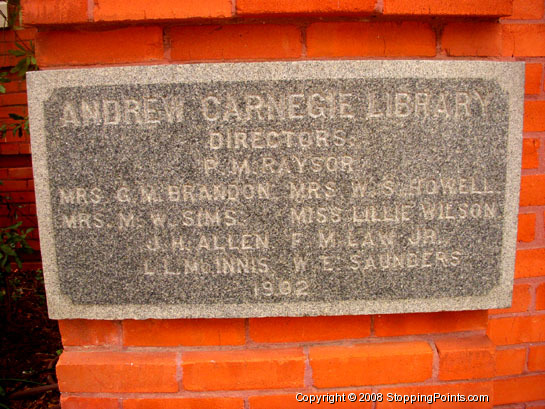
x: 263, y: 363
x: 15, y: 163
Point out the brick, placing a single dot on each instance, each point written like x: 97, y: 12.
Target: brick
x: 467, y: 388
x: 114, y: 10
x: 530, y: 263
x: 6, y: 221
x: 371, y: 364
x: 536, y: 358
x: 358, y: 39
x: 534, y: 115
x: 32, y: 265
x: 424, y: 323
x: 289, y: 401
x: 183, y: 332
x: 117, y: 372
x: 472, y: 39
x: 9, y: 148
x: 22, y: 197
x: 15, y: 161
x: 531, y: 190
x: 248, y: 369
x: 5, y: 46
x: 35, y: 244
x: 29, y: 33
x: 45, y: 12
x: 27, y: 210
x: 533, y: 79
x: 8, y: 60
x: 17, y: 98
x: 519, y: 389
x: 13, y: 186
x: 520, y: 303
x: 20, y: 173
x: 302, y: 7
x: 510, y: 361
x: 124, y: 45
x: 78, y: 402
x: 305, y: 329
x: 4, y: 211
x: 4, y: 113
x: 10, y: 138
x: 465, y: 358
x: 24, y: 149
x: 6, y: 110
x: 516, y: 330
x: 523, y: 40
x: 540, y: 297
x: 184, y: 403
x: 89, y: 332
x: 491, y: 8
x: 527, y: 10
x: 526, y: 227
x: 530, y: 153
x: 16, y: 84
x: 31, y: 221
x: 19, y: 142
x: 235, y: 41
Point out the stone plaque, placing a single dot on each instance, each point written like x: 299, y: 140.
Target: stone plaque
x: 272, y: 189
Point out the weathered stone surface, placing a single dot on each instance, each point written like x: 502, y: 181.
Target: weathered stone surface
x: 267, y: 189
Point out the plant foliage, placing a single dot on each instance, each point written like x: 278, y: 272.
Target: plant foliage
x: 26, y: 61
x: 13, y: 238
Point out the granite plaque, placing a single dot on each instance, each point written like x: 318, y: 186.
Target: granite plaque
x: 277, y: 189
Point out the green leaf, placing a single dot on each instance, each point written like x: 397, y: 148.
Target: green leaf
x: 2, y: 89
x: 17, y: 53
x: 8, y: 250
x: 15, y: 226
x: 20, y: 68
x: 20, y: 46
